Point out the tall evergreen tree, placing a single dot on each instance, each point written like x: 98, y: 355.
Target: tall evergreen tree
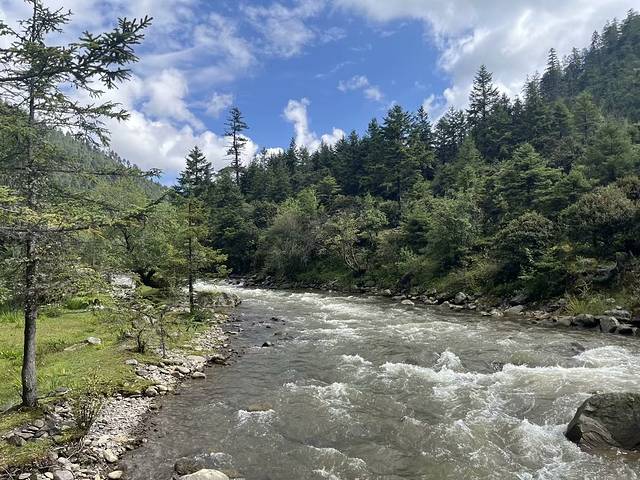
x: 484, y: 95
x: 551, y: 82
x: 235, y: 127
x: 402, y: 167
x: 36, y: 75
x: 195, y: 179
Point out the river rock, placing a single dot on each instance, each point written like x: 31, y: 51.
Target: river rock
x: 619, y: 314
x: 585, y: 320
x: 115, y: 475
x: 198, y: 375
x: 267, y: 344
x: 16, y: 440
x: 460, y: 298
x: 608, y: 324
x: 109, y: 456
x: 627, y: 330
x: 516, y: 310
x: 609, y: 420
x: 206, y: 475
x: 407, y: 302
x: 62, y: 475
x: 259, y: 407
x: 151, y: 392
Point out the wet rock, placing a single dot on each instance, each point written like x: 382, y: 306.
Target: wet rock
x: 267, y: 344
x: 577, y: 347
x: 460, y: 298
x: 565, y: 321
x: 188, y: 465
x: 198, y: 376
x: 619, y: 314
x: 206, y: 475
x: 259, y: 407
x: 627, y: 330
x: 608, y: 324
x: 151, y: 392
x: 610, y: 420
x: 218, y: 359
x: 516, y: 310
x: 585, y: 320
x: 407, y: 302
x: 62, y: 475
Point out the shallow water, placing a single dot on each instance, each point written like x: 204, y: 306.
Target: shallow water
x: 365, y: 389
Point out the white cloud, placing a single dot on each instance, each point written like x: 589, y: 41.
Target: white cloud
x: 166, y: 98
x: 284, y: 30
x: 161, y: 144
x: 296, y: 113
x: 434, y: 105
x: 218, y: 103
x: 512, y: 37
x: 360, y: 82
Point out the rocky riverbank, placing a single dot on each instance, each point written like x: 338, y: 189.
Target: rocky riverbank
x: 119, y: 424
x: 616, y: 320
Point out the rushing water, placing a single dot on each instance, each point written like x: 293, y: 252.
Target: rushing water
x: 365, y: 389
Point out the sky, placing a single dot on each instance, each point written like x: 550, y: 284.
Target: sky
x: 313, y: 70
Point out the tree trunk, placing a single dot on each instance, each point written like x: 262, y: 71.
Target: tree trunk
x: 190, y: 261
x: 29, y: 378
x: 190, y: 275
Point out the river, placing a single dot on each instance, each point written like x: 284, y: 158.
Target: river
x: 362, y: 388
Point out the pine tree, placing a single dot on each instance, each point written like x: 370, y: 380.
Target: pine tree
x: 402, y: 167
x: 422, y: 127
x: 587, y: 117
x: 450, y: 132
x: 484, y: 95
x: 36, y: 76
x: 235, y: 126
x: 551, y: 83
x: 195, y: 179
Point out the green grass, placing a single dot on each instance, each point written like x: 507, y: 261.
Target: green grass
x: 83, y: 368
x: 57, y: 367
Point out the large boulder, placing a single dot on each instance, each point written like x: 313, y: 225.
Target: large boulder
x: 460, y: 298
x: 584, y: 320
x: 608, y: 324
x: 206, y: 475
x: 623, y: 315
x: 217, y: 300
x: 609, y: 420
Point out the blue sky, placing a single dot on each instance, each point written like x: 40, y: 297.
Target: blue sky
x: 314, y: 69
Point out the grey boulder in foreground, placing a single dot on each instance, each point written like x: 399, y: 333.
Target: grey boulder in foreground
x: 205, y: 475
x: 605, y: 421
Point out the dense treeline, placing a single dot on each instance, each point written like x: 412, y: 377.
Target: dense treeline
x: 539, y: 193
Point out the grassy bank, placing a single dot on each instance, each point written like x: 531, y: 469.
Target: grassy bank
x: 67, y: 361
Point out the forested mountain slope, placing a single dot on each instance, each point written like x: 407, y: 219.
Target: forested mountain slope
x: 537, y: 194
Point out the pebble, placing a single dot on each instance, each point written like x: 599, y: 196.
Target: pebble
x: 109, y: 456
x: 62, y: 475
